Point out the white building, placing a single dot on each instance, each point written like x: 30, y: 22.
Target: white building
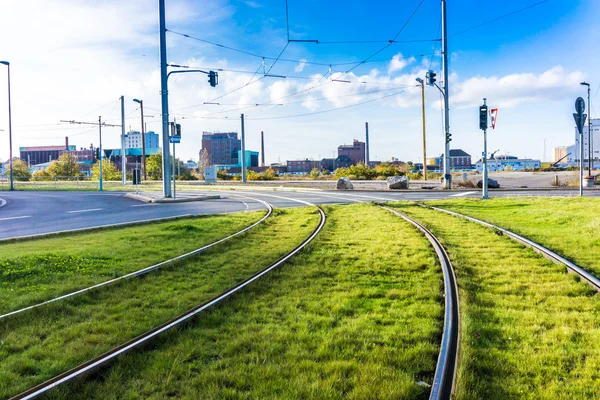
x: 133, y: 140
x: 574, y: 149
x: 504, y: 163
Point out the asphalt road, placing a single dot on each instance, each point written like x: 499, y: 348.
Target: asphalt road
x: 30, y: 213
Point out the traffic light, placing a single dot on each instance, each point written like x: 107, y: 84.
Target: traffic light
x: 178, y: 130
x: 448, y: 137
x: 431, y: 77
x: 483, y: 117
x: 213, y: 78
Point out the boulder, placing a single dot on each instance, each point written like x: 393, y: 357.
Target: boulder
x: 492, y: 184
x: 397, y: 182
x: 344, y: 184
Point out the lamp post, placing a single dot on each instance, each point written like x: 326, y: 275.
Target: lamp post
x: 590, y: 150
x: 10, y: 157
x: 143, y: 139
x: 423, y: 113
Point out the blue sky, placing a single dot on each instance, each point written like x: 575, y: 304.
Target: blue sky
x: 528, y: 64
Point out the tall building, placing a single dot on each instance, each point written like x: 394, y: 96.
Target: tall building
x: 355, y: 151
x: 222, y: 147
x: 574, y: 149
x: 133, y: 140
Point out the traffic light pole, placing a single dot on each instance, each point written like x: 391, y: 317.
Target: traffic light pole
x: 447, y: 177
x: 484, y: 160
x: 164, y: 94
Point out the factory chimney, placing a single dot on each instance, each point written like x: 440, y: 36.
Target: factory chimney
x: 66, y: 143
x: 262, y: 149
x: 367, y: 143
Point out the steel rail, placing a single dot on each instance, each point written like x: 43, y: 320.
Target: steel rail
x: 549, y: 254
x: 149, y: 269
x: 445, y: 372
x: 109, y: 356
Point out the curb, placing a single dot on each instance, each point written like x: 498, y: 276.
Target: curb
x: 148, y: 199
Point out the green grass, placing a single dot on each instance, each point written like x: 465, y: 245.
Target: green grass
x: 36, y: 270
x: 529, y: 330
x: 44, y: 342
x: 568, y: 226
x: 357, y: 316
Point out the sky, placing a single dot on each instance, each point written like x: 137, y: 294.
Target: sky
x: 73, y: 59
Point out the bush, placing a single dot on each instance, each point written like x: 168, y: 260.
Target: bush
x: 467, y: 184
x: 223, y: 175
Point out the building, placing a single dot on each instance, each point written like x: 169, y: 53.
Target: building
x: 574, y: 149
x: 35, y: 155
x: 222, y: 147
x: 459, y: 159
x: 190, y: 164
x: 302, y: 166
x: 133, y: 157
x: 504, y: 163
x: 133, y: 140
x: 560, y: 154
x: 331, y: 164
x: 355, y: 151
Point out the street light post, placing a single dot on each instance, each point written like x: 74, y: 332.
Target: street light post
x: 141, y: 103
x: 10, y: 160
x: 424, y: 140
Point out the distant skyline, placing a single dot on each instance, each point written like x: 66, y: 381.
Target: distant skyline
x: 73, y: 59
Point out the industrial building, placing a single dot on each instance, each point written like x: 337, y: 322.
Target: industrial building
x: 222, y: 147
x: 133, y: 140
x: 356, y: 151
x: 512, y: 163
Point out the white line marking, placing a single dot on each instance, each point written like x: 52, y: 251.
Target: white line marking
x: 462, y: 194
x: 6, y: 219
x: 2, y: 202
x: 145, y: 205
x: 81, y: 211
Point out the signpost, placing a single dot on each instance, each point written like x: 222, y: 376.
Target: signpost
x: 580, y: 118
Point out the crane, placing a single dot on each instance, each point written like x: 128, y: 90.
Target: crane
x: 492, y: 155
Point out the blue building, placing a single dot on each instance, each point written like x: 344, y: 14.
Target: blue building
x: 133, y: 140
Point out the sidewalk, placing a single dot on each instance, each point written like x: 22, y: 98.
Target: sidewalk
x: 157, y: 197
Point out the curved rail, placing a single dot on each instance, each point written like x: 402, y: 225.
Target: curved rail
x: 108, y: 357
x: 149, y: 269
x: 554, y: 257
x: 445, y: 372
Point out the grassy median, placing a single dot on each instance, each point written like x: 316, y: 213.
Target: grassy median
x: 36, y: 270
x: 358, y: 315
x: 529, y: 329
x: 568, y: 226
x: 43, y: 342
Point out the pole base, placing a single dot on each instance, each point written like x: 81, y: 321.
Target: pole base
x: 447, y: 184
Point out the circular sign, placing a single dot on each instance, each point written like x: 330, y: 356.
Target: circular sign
x: 580, y: 105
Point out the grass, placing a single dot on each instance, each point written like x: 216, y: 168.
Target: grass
x: 36, y: 270
x: 44, y: 342
x: 529, y: 330
x: 358, y: 315
x: 568, y: 226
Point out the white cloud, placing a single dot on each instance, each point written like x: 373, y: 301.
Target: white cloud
x: 301, y: 65
x: 398, y: 63
x: 252, y: 4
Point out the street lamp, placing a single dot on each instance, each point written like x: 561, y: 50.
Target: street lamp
x: 141, y: 103
x: 423, y: 113
x: 10, y: 159
x: 590, y: 150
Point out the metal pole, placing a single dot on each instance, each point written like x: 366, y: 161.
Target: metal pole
x: 485, y: 168
x: 123, y: 156
x: 10, y: 160
x: 424, y: 140
x: 143, y: 142
x: 100, y: 148
x: 589, y: 136
x: 367, y: 144
x: 447, y: 176
x: 174, y: 190
x: 164, y: 93
x: 243, y: 152
x: 581, y: 163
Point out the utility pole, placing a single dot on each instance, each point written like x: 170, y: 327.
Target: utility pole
x: 100, y: 124
x: 590, y: 151
x: 423, y: 115
x: 123, y: 155
x: 10, y: 157
x: 141, y: 103
x: 164, y: 94
x: 484, y: 125
x: 243, y: 152
x: 447, y: 177
x: 367, y: 144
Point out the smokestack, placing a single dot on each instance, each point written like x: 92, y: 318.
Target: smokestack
x: 67, y: 143
x: 367, y: 143
x: 262, y: 149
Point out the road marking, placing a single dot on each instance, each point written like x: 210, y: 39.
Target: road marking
x: 144, y: 205
x: 7, y: 218
x: 2, y: 202
x: 81, y: 211
x: 463, y: 194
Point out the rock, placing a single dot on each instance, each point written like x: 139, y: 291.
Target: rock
x: 492, y: 184
x: 397, y: 182
x: 344, y: 184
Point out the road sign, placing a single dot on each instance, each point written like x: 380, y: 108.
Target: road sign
x: 175, y: 139
x: 580, y: 105
x: 580, y: 121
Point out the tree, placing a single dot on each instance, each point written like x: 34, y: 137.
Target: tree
x: 65, y: 166
x: 154, y: 167
x: 20, y: 170
x: 109, y: 171
x: 203, y: 162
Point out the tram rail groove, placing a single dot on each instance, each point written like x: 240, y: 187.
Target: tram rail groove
x: 146, y: 270
x: 538, y: 248
x: 110, y: 356
x: 444, y: 381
